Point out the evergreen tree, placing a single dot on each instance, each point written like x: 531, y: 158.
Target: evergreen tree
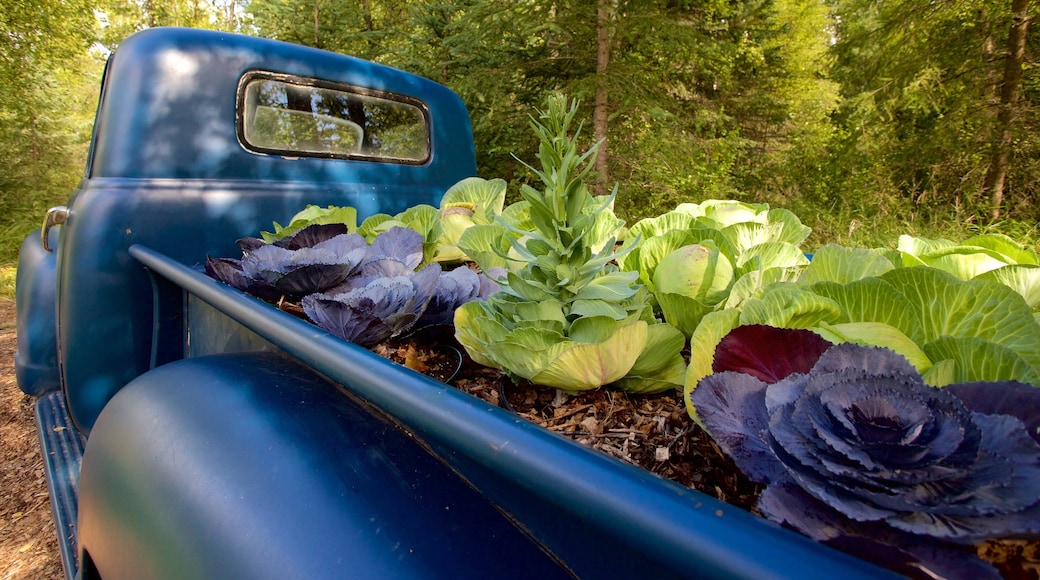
x: 924, y: 112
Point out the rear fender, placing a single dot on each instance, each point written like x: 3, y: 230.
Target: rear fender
x: 251, y: 465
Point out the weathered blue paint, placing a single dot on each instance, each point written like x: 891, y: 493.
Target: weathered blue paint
x: 258, y: 467
x: 36, y: 360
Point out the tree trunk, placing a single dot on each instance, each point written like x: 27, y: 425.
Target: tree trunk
x: 1009, y: 94
x: 232, y: 19
x: 317, y: 26
x: 149, y: 10
x: 601, y: 111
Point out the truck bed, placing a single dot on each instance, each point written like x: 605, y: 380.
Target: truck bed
x: 600, y: 516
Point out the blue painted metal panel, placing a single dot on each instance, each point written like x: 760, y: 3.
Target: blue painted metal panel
x: 106, y: 322
x: 254, y: 466
x: 602, y: 517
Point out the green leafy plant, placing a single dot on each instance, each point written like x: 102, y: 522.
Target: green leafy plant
x: 951, y: 330
x: 700, y: 258
x: 490, y: 245
x: 566, y: 316
x: 314, y: 215
x: 967, y: 259
x: 470, y: 202
x: 991, y: 256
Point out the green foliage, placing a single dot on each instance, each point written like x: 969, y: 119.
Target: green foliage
x: 121, y: 18
x: 471, y: 204
x: 951, y: 330
x: 701, y: 258
x: 866, y: 119
x: 8, y: 276
x: 50, y: 82
x: 367, y: 29
x: 991, y: 256
x: 921, y: 85
x: 50, y: 64
x: 867, y: 113
x: 568, y: 318
x: 313, y: 215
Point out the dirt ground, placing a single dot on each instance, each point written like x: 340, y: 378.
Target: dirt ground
x: 28, y: 543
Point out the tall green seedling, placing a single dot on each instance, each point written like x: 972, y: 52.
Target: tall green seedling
x: 566, y: 317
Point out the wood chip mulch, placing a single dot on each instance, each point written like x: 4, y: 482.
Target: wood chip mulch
x: 650, y: 431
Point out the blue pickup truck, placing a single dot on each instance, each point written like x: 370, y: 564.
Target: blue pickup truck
x: 192, y: 431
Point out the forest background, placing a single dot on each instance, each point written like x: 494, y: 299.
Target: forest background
x: 867, y: 118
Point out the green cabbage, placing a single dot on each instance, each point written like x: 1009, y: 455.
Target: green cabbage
x: 951, y: 330
x: 312, y: 215
x: 701, y: 258
x: 470, y: 202
x: 993, y: 257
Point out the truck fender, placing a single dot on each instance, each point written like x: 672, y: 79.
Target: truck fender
x: 36, y: 358
x: 252, y: 465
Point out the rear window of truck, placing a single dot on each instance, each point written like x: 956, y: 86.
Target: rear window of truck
x: 299, y: 117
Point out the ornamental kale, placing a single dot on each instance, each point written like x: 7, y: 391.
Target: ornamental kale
x: 362, y: 293
x: 386, y: 297
x: 314, y: 259
x: 455, y: 288
x: 859, y: 452
x: 372, y: 309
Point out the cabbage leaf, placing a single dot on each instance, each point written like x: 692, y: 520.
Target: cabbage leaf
x: 365, y: 293
x: 713, y: 255
x: 951, y: 330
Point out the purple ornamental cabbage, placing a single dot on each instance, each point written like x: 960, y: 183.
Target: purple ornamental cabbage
x: 860, y: 453
x: 314, y: 259
x: 385, y: 297
x: 373, y: 312
x: 362, y: 293
x: 455, y: 288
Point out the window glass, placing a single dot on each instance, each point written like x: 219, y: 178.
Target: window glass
x: 293, y: 117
